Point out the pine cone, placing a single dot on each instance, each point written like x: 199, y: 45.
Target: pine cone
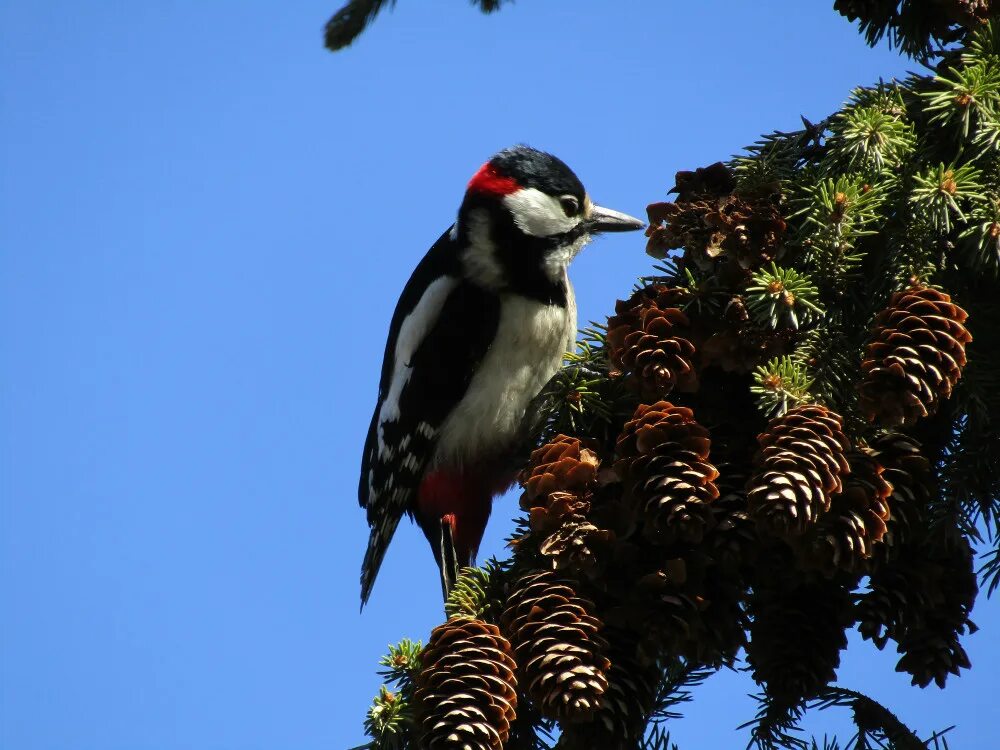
x: 659, y: 609
x: 730, y: 548
x: 719, y: 631
x: 734, y: 537
x: 740, y: 348
x: 625, y: 705
x: 713, y: 181
x: 733, y: 541
x: 677, y: 225
x: 933, y: 653
x: 846, y: 537
x: 747, y: 229
x: 549, y: 512
x: 649, y: 337
x: 664, y: 461
x: 559, y: 651
x: 564, y: 464
x: 800, y: 462
x: 922, y: 600
x: 909, y: 474
x: 970, y: 13
x: 575, y: 546
x: 796, y: 638
x: 882, y: 610
x: 915, y: 356
x: 466, y: 692
x: 558, y: 488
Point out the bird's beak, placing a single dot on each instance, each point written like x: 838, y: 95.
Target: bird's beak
x: 605, y: 220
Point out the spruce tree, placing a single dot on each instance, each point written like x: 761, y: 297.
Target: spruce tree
x: 789, y: 428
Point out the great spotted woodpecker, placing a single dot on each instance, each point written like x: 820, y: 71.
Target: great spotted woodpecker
x: 480, y: 328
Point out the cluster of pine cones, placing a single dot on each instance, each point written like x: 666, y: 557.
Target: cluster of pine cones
x: 702, y: 528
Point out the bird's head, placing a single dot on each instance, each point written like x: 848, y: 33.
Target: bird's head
x: 525, y: 216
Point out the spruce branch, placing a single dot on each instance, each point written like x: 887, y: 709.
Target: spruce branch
x: 679, y: 679
x: 777, y: 157
x: 987, y: 140
x: 918, y: 28
x: 684, y: 526
x: 782, y: 298
x: 658, y: 739
x: 983, y: 43
x: 388, y: 722
x: 959, y: 95
x: 775, y: 726
x: 828, y: 355
x: 780, y: 384
x: 401, y: 663
x: 837, y: 211
x: 704, y: 296
x: 981, y: 238
x: 870, y: 138
x: 940, y: 192
x: 347, y: 23
x: 989, y: 573
x: 477, y: 591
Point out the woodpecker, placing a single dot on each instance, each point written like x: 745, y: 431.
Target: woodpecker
x: 480, y: 328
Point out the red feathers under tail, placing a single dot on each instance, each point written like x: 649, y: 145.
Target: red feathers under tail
x: 461, y: 500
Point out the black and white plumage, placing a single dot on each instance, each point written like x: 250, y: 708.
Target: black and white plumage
x: 479, y: 329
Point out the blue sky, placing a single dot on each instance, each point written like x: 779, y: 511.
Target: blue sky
x: 205, y: 221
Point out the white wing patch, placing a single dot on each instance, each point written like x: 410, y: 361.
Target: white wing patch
x: 411, y: 333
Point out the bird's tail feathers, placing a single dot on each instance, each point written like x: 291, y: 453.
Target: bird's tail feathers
x: 378, y: 543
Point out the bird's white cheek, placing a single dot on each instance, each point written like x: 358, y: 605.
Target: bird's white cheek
x: 538, y: 214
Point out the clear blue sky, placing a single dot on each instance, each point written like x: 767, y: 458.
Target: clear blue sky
x: 205, y: 221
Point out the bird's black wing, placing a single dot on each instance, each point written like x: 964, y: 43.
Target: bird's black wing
x: 441, y: 261
x: 441, y: 329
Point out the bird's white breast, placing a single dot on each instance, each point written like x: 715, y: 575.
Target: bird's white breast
x: 527, y: 351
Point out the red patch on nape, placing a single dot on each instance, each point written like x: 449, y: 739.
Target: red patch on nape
x: 488, y: 180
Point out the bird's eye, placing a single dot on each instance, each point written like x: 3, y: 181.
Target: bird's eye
x: 570, y: 205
